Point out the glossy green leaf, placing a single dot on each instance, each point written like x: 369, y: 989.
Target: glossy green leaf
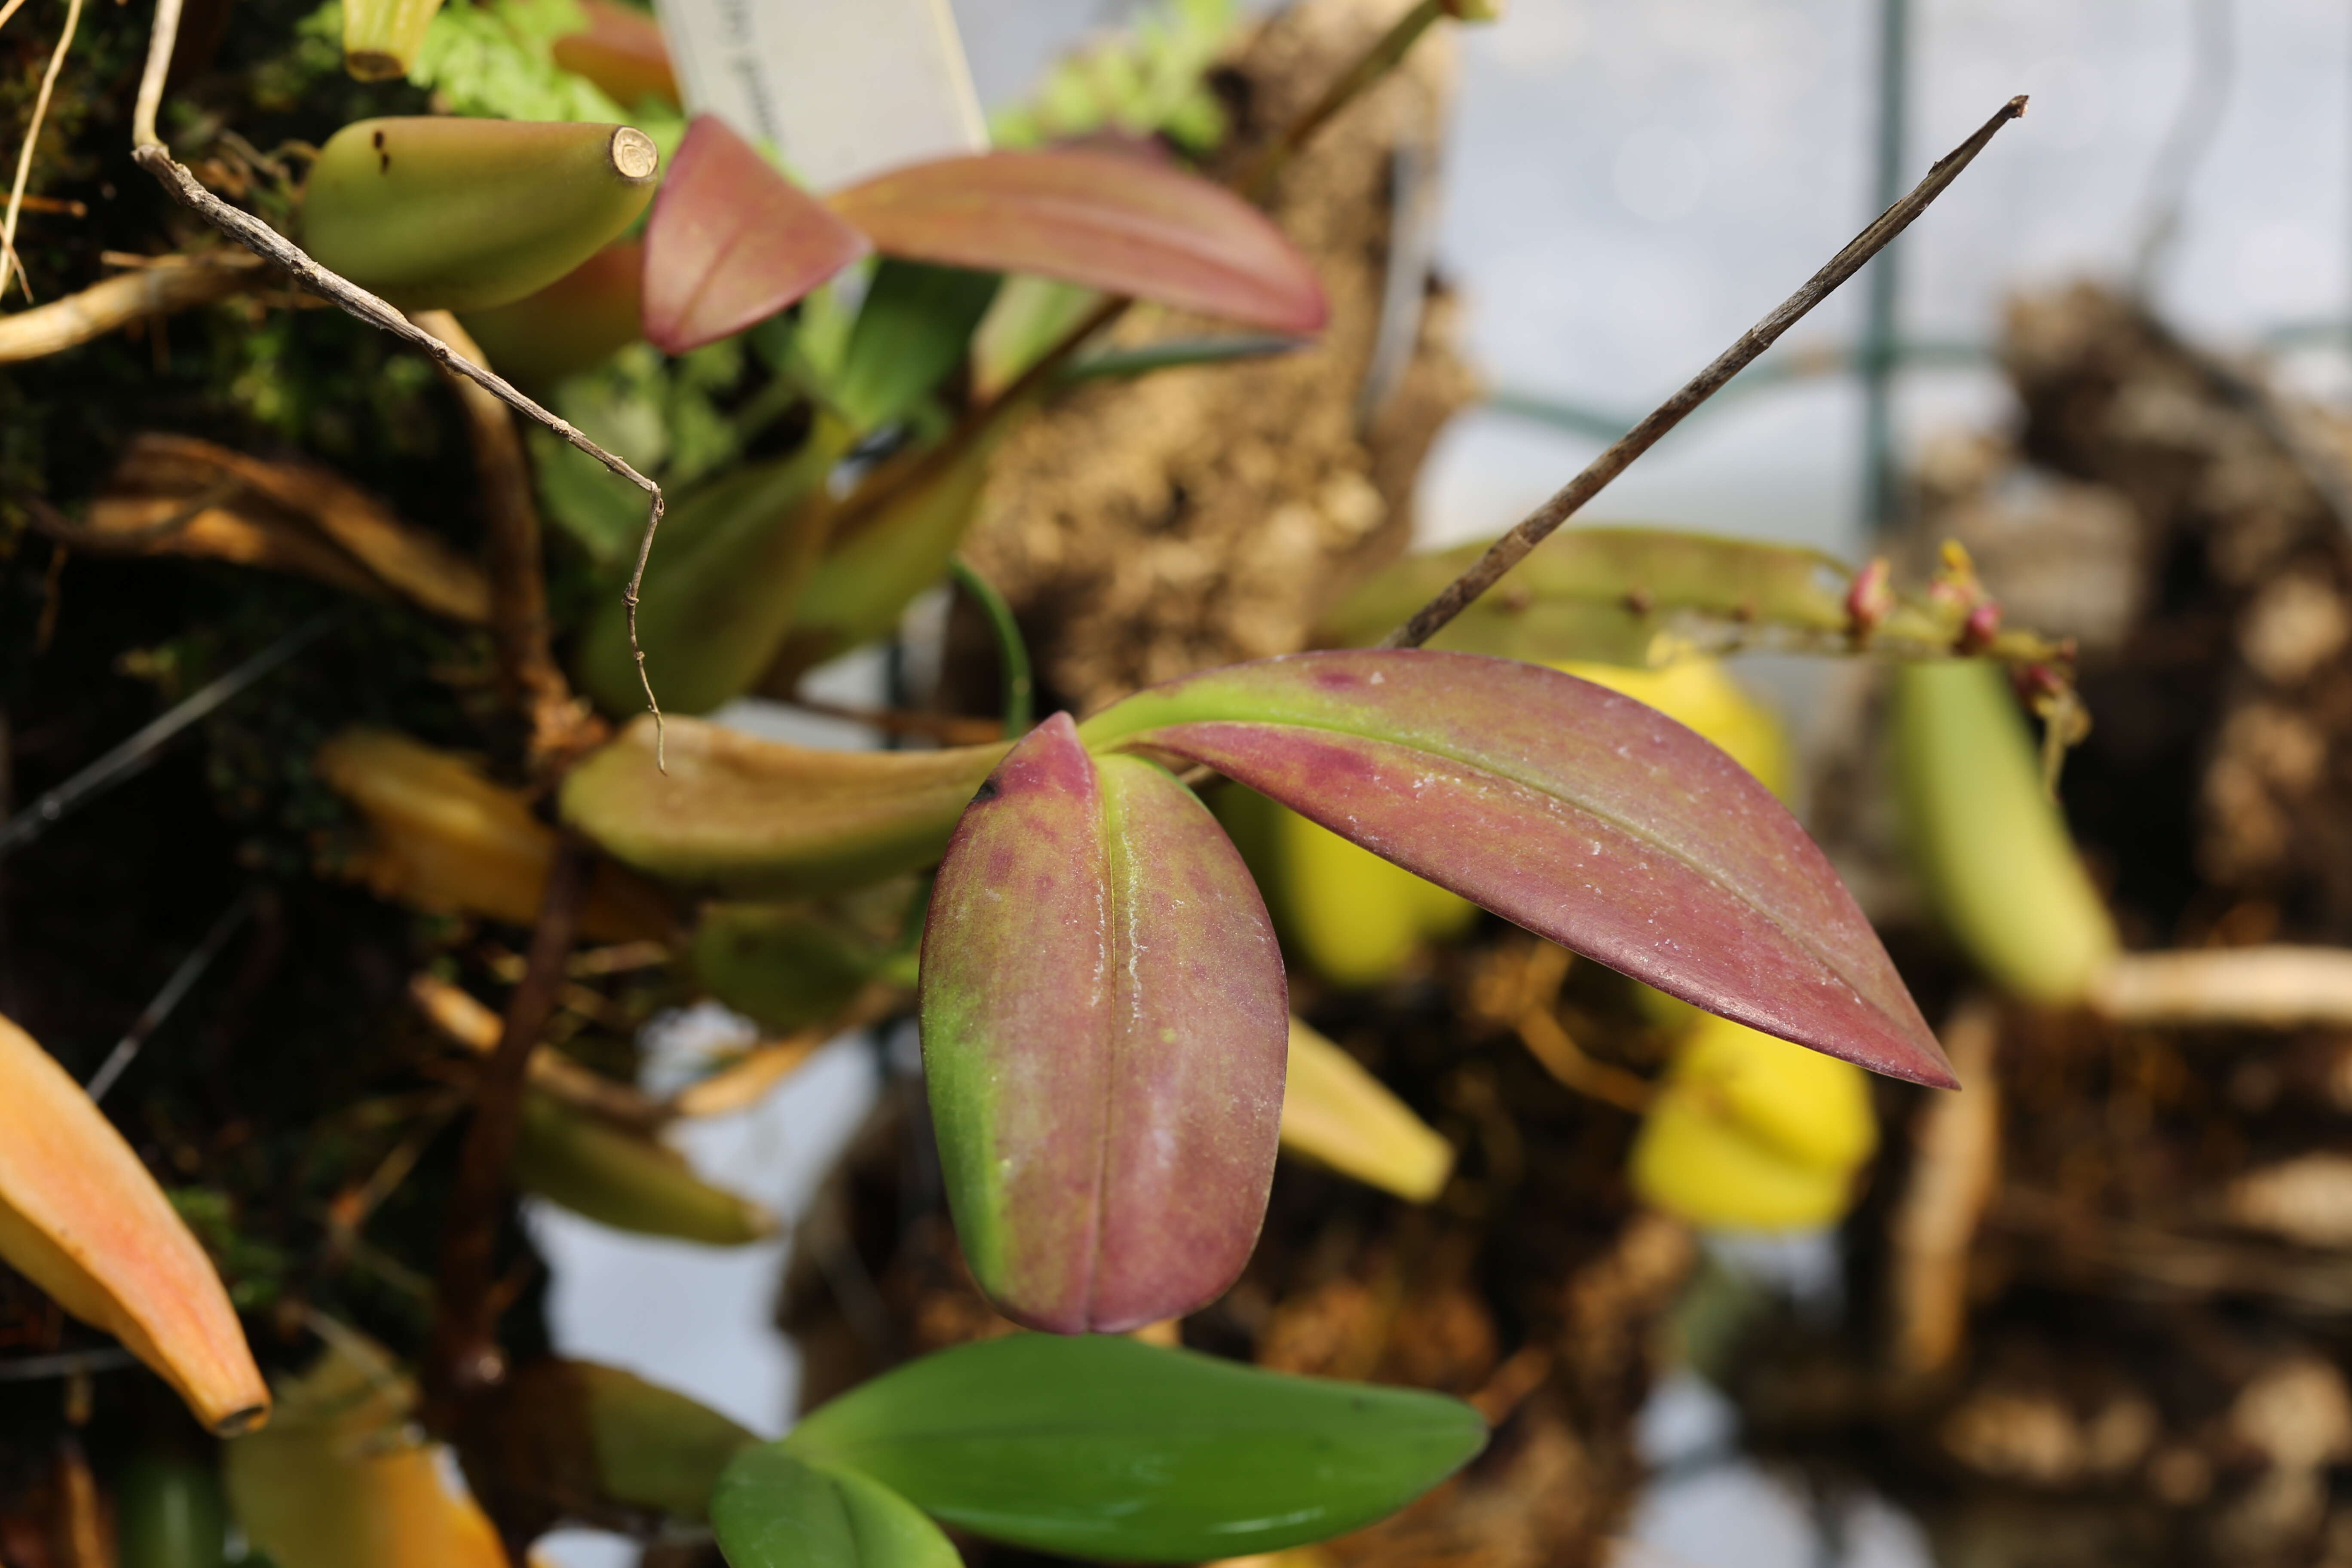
x: 728, y: 571
x: 1104, y: 1026
x: 1104, y: 1447
x: 914, y: 327
x: 762, y: 818
x: 891, y: 541
x: 731, y: 241
x: 625, y: 1180
x: 1125, y: 224
x: 785, y: 966
x: 776, y: 1510
x: 1582, y: 814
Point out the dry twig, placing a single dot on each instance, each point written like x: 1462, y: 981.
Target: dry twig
x: 1512, y: 548
x: 462, y: 1357
x: 8, y: 261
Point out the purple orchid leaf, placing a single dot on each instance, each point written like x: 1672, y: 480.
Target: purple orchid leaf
x: 1585, y: 816
x: 1105, y: 1028
x: 731, y: 241
x: 1120, y: 224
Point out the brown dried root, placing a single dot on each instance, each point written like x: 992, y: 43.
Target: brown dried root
x: 178, y: 494
x: 107, y: 307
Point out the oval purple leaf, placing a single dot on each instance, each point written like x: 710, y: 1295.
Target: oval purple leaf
x: 1104, y: 1028
x: 1123, y: 225
x: 731, y: 241
x: 1585, y: 816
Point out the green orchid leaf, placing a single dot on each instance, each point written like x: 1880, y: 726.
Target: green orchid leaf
x: 785, y: 966
x: 1104, y: 1029
x: 914, y: 326
x: 891, y: 540
x: 1103, y: 1448
x: 760, y: 818
x: 775, y: 1509
x: 727, y: 572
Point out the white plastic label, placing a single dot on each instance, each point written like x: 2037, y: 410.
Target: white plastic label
x: 843, y: 89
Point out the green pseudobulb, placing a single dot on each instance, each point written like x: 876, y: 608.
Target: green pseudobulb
x: 442, y: 212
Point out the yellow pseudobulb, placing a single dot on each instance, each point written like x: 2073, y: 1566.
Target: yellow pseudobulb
x: 1750, y: 1132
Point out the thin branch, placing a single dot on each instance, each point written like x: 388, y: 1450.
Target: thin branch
x: 9, y: 10
x: 462, y: 1357
x: 140, y: 750
x: 1513, y: 547
x: 25, y: 158
x: 162, y: 39
x: 102, y: 308
x: 1374, y: 63
x: 175, y: 989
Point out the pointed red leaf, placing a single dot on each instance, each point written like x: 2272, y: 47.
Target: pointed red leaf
x: 1105, y: 1028
x: 732, y: 242
x: 1583, y: 815
x: 1120, y: 223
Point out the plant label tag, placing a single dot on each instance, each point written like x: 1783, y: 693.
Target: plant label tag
x: 843, y: 89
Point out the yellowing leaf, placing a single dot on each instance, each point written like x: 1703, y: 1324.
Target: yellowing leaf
x: 343, y: 1481
x: 1336, y: 1113
x: 81, y: 1218
x: 446, y: 838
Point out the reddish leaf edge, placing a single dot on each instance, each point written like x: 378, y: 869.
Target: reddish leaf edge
x: 1932, y: 1069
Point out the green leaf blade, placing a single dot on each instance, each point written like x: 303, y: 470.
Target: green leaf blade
x: 1107, y: 1449
x: 774, y: 1509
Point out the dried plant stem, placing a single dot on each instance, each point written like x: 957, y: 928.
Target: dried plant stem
x: 2230, y: 987
x: 462, y: 1357
x: 557, y: 721
x: 1258, y: 176
x: 107, y: 306
x: 8, y: 261
x: 1513, y: 547
x: 9, y: 10
x: 1955, y: 1172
